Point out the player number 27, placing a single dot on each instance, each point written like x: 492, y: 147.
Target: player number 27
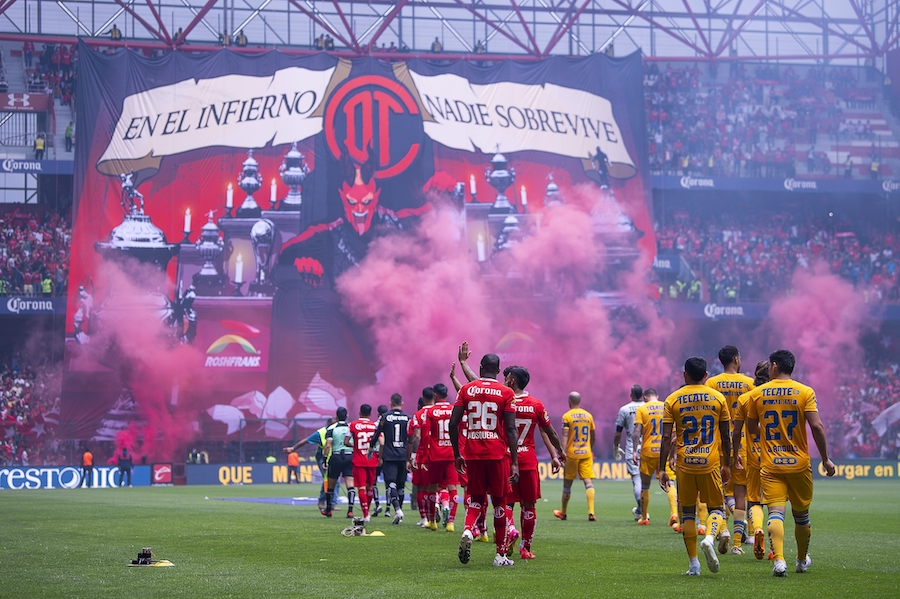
x: 483, y: 415
x: 772, y: 419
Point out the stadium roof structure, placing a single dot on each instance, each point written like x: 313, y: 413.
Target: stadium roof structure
x: 823, y: 31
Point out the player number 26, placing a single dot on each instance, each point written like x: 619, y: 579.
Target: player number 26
x: 483, y: 415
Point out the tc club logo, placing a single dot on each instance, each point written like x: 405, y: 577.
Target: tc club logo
x: 374, y: 114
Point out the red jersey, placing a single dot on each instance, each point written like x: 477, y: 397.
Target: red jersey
x: 486, y: 401
x: 438, y: 423
x: 530, y: 414
x: 417, y: 422
x: 362, y: 431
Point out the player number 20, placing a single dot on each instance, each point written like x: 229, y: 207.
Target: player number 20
x: 483, y: 415
x: 706, y: 428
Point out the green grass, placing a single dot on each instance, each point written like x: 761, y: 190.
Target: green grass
x: 76, y: 543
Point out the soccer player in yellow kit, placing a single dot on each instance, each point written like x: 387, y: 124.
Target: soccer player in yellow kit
x: 779, y: 412
x: 646, y: 441
x: 732, y: 384
x: 578, y: 438
x: 699, y: 416
x: 746, y: 451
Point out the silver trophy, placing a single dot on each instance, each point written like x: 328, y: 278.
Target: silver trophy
x: 293, y: 171
x: 500, y: 176
x: 552, y: 197
x: 262, y: 237
x: 209, y: 281
x: 250, y: 182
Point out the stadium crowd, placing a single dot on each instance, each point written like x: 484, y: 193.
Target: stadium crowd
x: 748, y: 125
x: 34, y: 254
x: 742, y: 260
x: 53, y: 72
x: 29, y: 413
x: 862, y: 399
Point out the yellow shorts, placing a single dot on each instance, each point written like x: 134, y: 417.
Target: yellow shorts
x: 738, y: 477
x: 649, y: 464
x: 708, y: 485
x: 754, y: 492
x: 780, y: 487
x: 582, y: 467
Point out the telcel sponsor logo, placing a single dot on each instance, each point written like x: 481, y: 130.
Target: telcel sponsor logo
x: 17, y: 304
x: 14, y: 166
x: 691, y: 182
x: 795, y: 184
x: 65, y: 477
x: 715, y: 310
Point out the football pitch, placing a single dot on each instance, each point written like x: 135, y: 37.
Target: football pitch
x: 77, y: 543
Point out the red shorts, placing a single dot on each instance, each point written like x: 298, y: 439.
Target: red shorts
x: 489, y: 477
x: 364, y: 476
x: 462, y: 478
x: 527, y: 490
x: 442, y: 474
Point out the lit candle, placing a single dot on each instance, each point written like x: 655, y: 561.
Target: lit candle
x: 229, y: 196
x: 480, y: 247
x: 274, y: 196
x: 472, y: 189
x: 187, y: 220
x: 524, y: 197
x: 239, y: 270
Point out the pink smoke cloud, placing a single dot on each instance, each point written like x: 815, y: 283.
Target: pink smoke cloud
x: 821, y: 322
x: 421, y: 294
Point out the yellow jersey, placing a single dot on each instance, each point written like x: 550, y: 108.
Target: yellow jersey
x: 579, y: 424
x: 749, y: 446
x: 732, y: 386
x: 695, y: 412
x: 650, y: 416
x: 780, y: 406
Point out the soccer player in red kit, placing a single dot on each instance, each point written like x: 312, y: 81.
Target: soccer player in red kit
x: 418, y: 458
x: 362, y: 431
x: 530, y: 416
x: 441, y: 469
x: 490, y: 437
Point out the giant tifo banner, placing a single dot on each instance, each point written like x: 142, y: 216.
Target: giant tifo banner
x: 252, y: 231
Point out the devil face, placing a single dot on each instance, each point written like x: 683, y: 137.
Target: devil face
x: 360, y: 202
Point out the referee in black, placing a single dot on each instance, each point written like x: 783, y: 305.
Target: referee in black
x: 394, y: 426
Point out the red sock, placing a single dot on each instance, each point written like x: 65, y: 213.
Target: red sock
x: 510, y: 517
x: 454, y: 502
x: 363, y: 501
x: 444, y: 497
x: 474, y: 505
x: 420, y: 500
x: 500, y: 525
x: 528, y: 520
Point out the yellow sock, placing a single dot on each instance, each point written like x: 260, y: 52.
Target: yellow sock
x: 715, y: 522
x: 673, y: 500
x: 689, y: 531
x: 739, y: 525
x: 565, y: 501
x: 702, y: 513
x: 589, y: 492
x: 802, y: 531
x: 645, y: 503
x: 776, y: 534
x: 756, y: 517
